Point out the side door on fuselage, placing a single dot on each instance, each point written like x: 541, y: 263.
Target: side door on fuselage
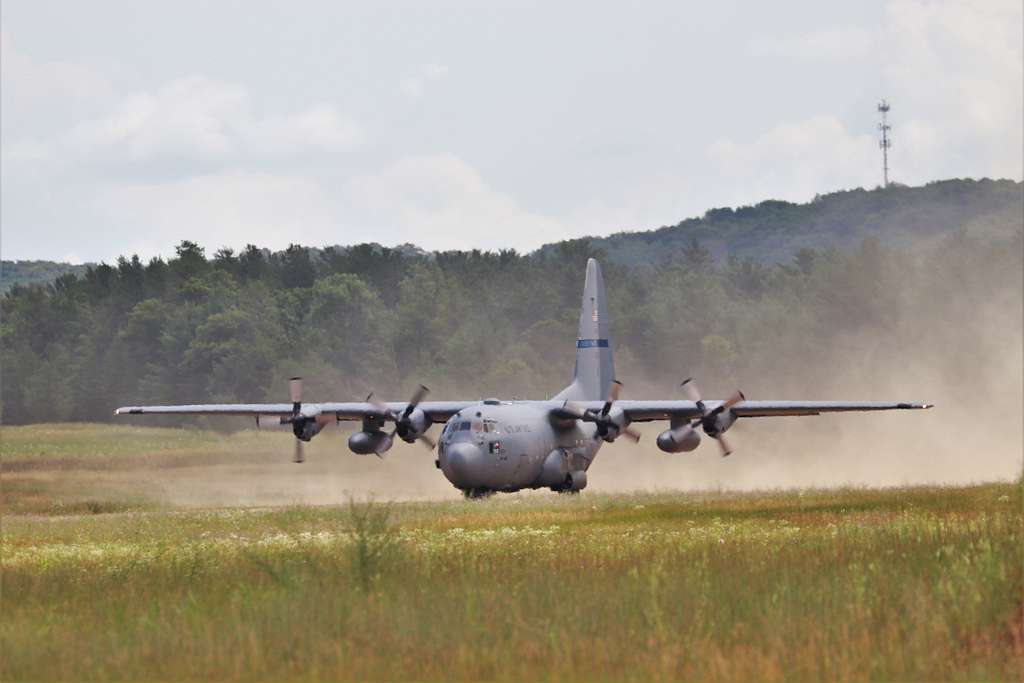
x: 500, y: 448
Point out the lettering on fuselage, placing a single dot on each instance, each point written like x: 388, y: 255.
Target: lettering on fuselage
x: 517, y: 429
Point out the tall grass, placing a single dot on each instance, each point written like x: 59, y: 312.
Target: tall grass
x: 373, y: 542
x: 922, y: 583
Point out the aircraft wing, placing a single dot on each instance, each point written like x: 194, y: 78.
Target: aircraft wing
x: 437, y: 411
x: 645, y: 411
x: 440, y: 411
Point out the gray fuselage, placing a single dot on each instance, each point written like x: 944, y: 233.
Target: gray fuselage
x: 507, y: 446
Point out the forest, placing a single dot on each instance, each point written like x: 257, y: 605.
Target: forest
x: 233, y: 326
x: 35, y: 272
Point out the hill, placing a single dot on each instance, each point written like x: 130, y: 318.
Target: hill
x: 774, y: 231
x: 35, y: 272
x: 770, y: 232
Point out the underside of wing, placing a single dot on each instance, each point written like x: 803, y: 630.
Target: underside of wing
x: 249, y: 409
x: 645, y: 411
x: 437, y: 411
x: 783, y: 408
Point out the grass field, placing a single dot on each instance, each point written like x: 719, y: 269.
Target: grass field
x: 106, y: 578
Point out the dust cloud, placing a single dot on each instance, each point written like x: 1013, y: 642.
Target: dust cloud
x: 331, y: 475
x: 961, y: 349
x: 966, y: 356
x: 973, y: 434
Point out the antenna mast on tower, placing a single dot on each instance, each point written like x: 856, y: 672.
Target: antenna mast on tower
x: 886, y: 142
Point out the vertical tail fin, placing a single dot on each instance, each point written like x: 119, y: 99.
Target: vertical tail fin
x: 594, y: 367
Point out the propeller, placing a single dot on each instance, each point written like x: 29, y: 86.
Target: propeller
x: 295, y: 392
x: 304, y: 427
x: 604, y: 423
x: 402, y: 420
x: 708, y: 418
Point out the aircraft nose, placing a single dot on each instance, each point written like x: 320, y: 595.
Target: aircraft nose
x: 464, y: 460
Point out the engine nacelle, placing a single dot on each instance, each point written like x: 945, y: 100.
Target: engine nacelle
x: 368, y: 443
x: 617, y: 421
x: 713, y: 426
x: 306, y: 429
x: 418, y: 423
x: 679, y: 440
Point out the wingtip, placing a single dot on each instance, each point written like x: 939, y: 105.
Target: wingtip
x: 916, y: 406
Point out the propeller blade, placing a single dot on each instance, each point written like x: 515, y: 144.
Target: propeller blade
x: 378, y: 404
x: 631, y: 433
x: 295, y: 389
x: 613, y: 391
x: 385, y: 445
x: 723, y: 445
x: 427, y: 441
x: 690, y: 387
x: 613, y: 395
x: 574, y: 410
x: 420, y: 392
x: 733, y: 399
x: 300, y: 454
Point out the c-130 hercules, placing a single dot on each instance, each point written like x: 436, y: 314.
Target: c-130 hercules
x: 495, y: 445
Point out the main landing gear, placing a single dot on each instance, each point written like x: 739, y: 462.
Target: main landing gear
x: 474, y: 494
x: 574, y: 483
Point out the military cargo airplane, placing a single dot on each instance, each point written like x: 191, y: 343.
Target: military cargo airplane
x: 496, y: 445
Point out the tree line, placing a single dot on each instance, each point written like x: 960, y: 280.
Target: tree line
x: 233, y: 326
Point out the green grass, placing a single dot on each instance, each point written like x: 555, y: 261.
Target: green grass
x: 919, y: 583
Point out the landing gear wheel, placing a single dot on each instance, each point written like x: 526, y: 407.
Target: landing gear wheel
x: 476, y: 494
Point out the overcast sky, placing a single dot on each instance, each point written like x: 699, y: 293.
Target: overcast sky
x: 129, y: 126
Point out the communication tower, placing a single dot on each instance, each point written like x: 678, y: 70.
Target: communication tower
x: 886, y: 142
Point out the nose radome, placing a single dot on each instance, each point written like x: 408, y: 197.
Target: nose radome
x: 464, y: 459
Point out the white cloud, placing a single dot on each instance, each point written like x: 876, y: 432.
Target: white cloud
x: 442, y: 202
x: 438, y: 202
x: 958, y: 69
x: 230, y: 208
x: 796, y: 160
x: 954, y: 74
x: 194, y: 120
x: 99, y: 142
x: 834, y: 43
x: 191, y: 159
x: 412, y: 86
x: 317, y: 127
x: 31, y: 87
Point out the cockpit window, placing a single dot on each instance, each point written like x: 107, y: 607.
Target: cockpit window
x: 464, y: 426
